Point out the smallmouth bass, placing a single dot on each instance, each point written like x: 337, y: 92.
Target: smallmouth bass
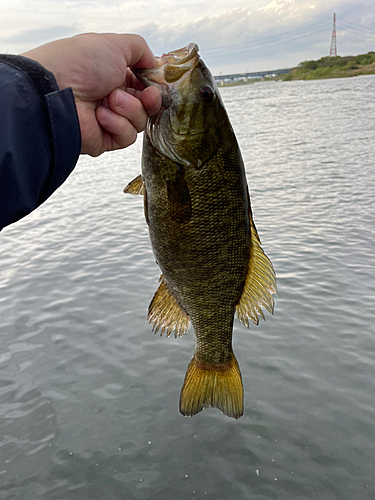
x: 197, y: 207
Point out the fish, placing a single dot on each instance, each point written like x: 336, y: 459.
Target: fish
x: 198, y: 211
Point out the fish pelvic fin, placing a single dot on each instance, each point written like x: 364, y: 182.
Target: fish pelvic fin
x: 136, y: 186
x: 260, y: 284
x: 166, y: 314
x: 210, y: 385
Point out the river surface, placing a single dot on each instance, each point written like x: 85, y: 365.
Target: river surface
x: 89, y: 396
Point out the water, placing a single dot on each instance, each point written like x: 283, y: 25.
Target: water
x: 89, y: 396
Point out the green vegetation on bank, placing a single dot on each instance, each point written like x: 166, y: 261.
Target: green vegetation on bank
x: 334, y: 67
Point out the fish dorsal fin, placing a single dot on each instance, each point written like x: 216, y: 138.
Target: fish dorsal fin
x: 136, y: 186
x: 166, y: 314
x: 260, y: 283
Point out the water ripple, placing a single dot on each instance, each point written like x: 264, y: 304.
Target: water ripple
x: 85, y: 386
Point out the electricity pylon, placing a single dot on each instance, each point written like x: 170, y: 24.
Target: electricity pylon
x: 333, y: 50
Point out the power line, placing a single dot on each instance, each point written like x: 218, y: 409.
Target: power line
x: 260, y: 45
x: 364, y: 28
x: 285, y: 38
x: 355, y: 31
x: 258, y: 40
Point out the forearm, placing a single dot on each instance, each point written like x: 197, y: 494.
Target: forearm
x: 39, y: 136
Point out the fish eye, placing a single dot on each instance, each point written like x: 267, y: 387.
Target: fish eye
x: 206, y: 94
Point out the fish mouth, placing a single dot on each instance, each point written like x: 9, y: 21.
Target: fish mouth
x: 172, y: 72
x: 179, y: 56
x: 172, y: 77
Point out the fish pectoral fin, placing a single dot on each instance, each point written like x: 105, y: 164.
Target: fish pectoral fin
x: 209, y: 385
x: 166, y: 314
x: 260, y: 283
x: 136, y: 186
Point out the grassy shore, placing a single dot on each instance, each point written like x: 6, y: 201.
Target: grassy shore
x: 334, y: 67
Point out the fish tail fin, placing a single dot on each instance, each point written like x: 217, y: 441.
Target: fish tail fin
x: 211, y: 385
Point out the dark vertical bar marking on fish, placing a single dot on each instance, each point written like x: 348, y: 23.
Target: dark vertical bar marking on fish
x: 179, y: 202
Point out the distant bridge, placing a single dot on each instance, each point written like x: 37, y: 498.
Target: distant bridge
x: 256, y: 74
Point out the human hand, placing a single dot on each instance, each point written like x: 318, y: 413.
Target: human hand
x: 112, y: 105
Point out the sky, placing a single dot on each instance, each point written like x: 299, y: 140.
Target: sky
x: 234, y: 36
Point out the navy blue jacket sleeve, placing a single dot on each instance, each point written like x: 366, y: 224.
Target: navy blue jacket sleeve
x: 40, y: 138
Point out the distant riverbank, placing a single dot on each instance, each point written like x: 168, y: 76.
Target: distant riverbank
x: 242, y: 81
x: 333, y: 67
x: 326, y: 67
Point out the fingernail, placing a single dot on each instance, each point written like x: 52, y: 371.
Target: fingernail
x: 105, y: 113
x: 121, y: 98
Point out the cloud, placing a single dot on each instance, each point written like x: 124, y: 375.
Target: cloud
x: 233, y: 36
x: 281, y: 33
x: 39, y: 36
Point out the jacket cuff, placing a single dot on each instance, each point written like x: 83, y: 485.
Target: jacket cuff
x: 61, y: 118
x: 66, y: 135
x: 41, y: 79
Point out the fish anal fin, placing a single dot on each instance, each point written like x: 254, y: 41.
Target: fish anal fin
x: 260, y: 283
x: 210, y: 385
x: 166, y: 314
x: 136, y: 186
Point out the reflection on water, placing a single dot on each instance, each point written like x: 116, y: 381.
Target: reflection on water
x: 89, y: 397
